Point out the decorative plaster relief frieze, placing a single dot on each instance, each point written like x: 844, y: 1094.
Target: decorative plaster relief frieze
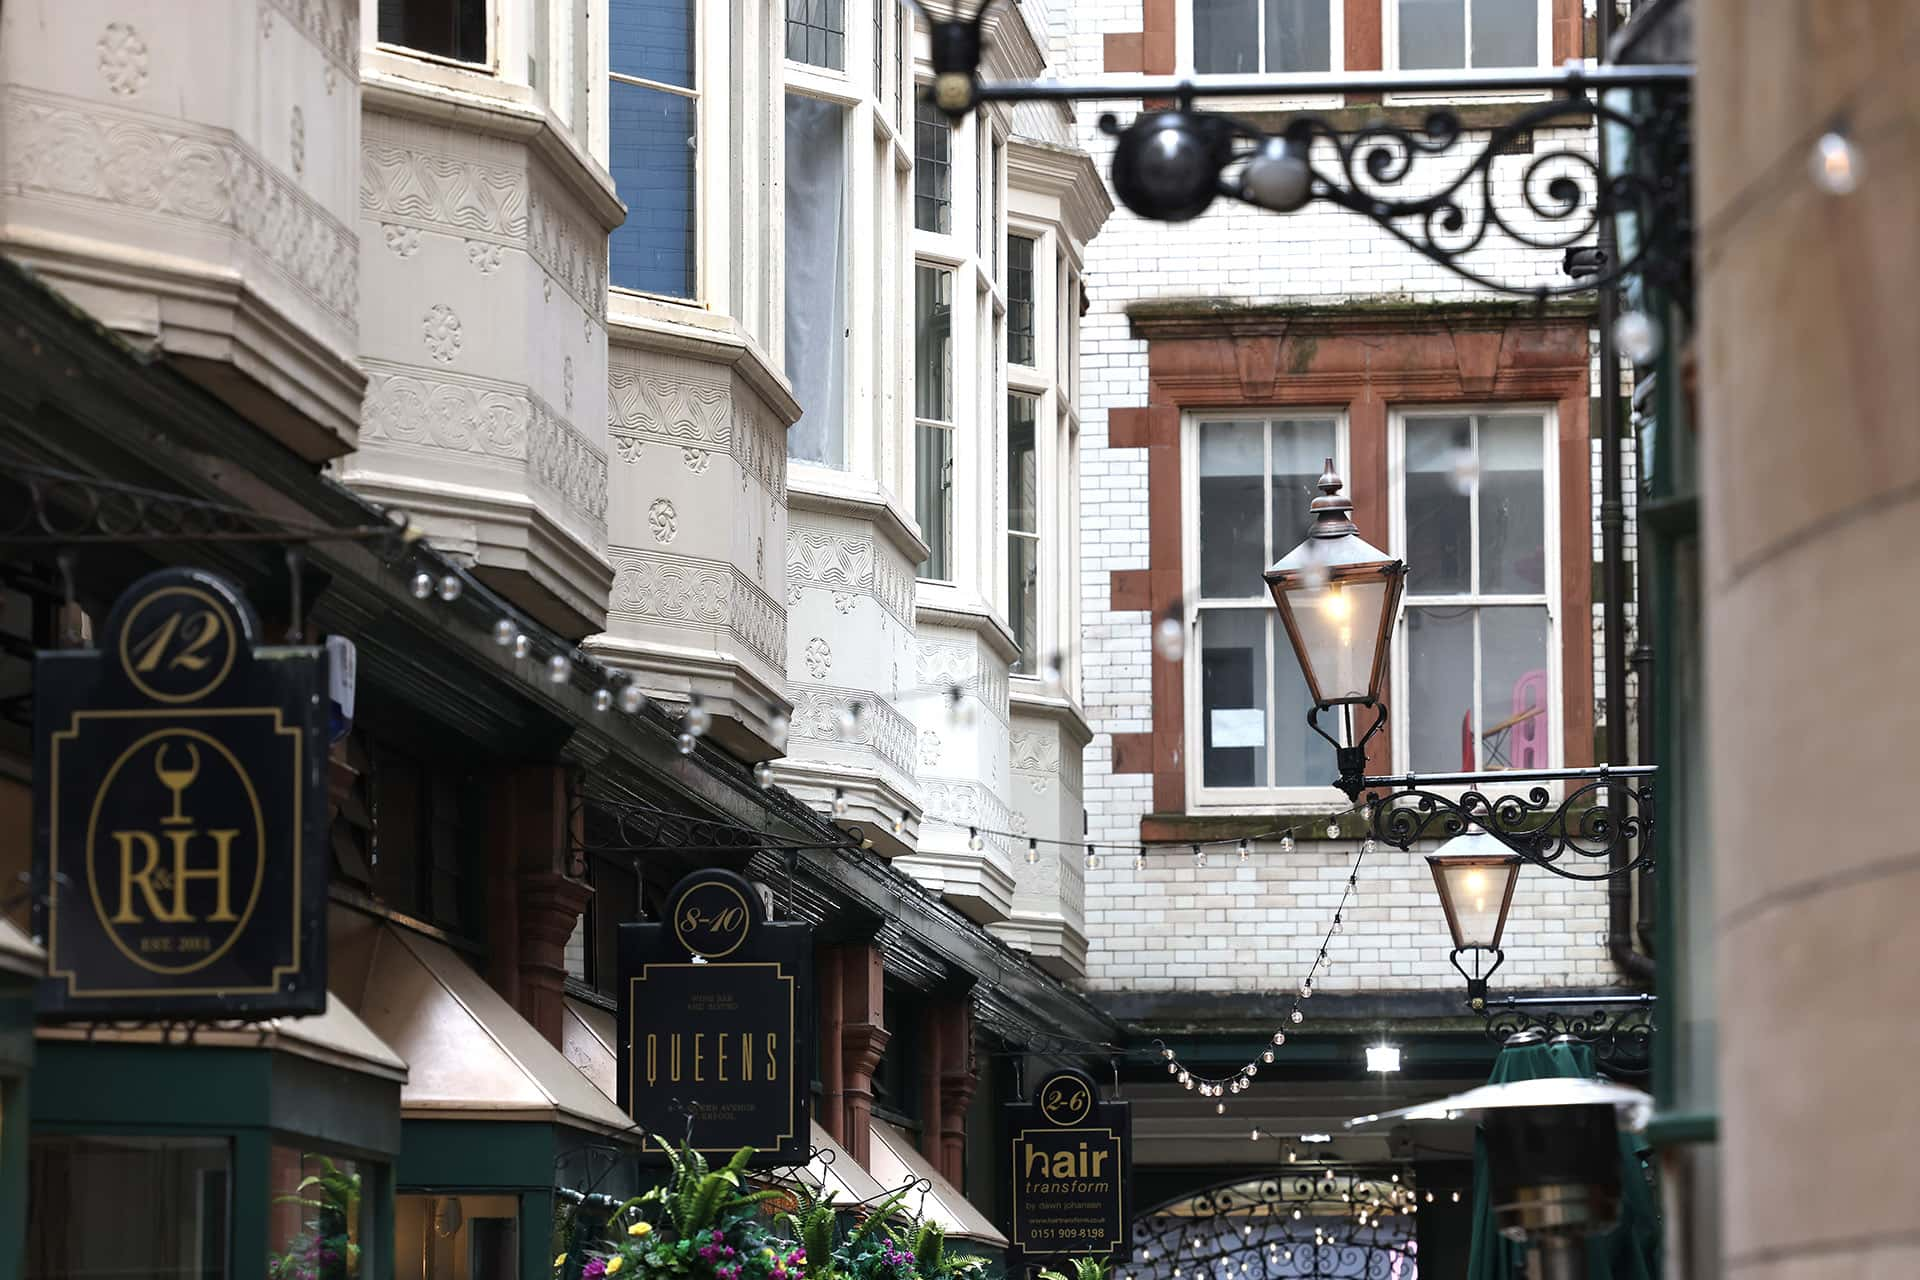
x: 297, y: 143
x: 402, y: 239
x: 566, y: 381
x: 441, y: 192
x: 332, y: 25
x: 485, y: 255
x: 940, y: 665
x: 566, y: 463
x: 696, y: 460
x: 464, y: 415
x: 172, y: 170
x: 1034, y: 752
x: 683, y: 591
x: 123, y: 59
x: 836, y: 558
x: 881, y: 728
x: 819, y: 658
x: 967, y: 804
x: 570, y: 246
x: 663, y: 521
x: 695, y: 415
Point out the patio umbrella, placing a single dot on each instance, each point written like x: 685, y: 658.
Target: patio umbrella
x: 1631, y: 1250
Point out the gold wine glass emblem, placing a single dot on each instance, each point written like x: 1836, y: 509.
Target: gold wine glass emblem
x: 176, y: 780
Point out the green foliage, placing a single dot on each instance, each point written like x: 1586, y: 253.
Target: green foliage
x: 324, y: 1248
x: 1083, y: 1269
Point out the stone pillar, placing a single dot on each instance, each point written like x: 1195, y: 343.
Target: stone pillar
x: 535, y: 898
x: 862, y: 1039
x: 1810, y: 471
x: 957, y: 1081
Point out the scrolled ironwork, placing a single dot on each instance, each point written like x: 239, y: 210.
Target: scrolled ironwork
x: 1580, y: 825
x: 1323, y: 1222
x: 1621, y: 1038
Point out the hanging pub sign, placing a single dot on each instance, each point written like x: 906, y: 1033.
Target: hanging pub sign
x: 715, y: 1018
x: 1072, y: 1171
x: 180, y: 813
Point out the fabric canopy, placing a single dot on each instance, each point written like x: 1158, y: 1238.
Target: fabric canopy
x: 1631, y: 1251
x: 897, y: 1162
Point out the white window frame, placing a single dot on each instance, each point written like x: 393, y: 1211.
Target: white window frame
x: 1401, y: 706
x: 1183, y: 26
x: 956, y: 407
x: 1202, y: 798
x: 712, y: 154
x: 1390, y: 52
x: 500, y: 18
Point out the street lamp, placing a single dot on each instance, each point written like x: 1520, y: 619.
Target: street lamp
x: 1475, y: 875
x: 1339, y: 596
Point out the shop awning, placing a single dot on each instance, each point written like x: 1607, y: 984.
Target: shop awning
x: 335, y: 1037
x: 897, y: 1162
x: 18, y: 954
x: 470, y: 1055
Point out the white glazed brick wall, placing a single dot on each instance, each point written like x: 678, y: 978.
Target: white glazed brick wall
x: 1255, y: 927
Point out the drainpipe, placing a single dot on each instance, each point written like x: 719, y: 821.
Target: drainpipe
x: 1632, y: 966
x: 1643, y: 679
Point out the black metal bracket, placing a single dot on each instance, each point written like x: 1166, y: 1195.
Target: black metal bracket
x: 1603, y: 819
x: 1477, y: 980
x: 1619, y: 1029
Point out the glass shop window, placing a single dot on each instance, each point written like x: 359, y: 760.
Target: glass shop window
x: 132, y: 1207
x: 456, y: 1237
x: 316, y: 1218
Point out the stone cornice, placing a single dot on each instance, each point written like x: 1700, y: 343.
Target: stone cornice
x: 701, y: 335
x: 501, y: 117
x: 1029, y: 702
x: 988, y: 625
x: 1067, y: 174
x: 841, y: 493
x: 1213, y: 317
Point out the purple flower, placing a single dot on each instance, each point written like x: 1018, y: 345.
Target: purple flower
x: 595, y: 1268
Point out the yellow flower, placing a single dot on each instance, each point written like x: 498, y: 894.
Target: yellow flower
x: 615, y: 1263
x: 559, y: 1261
x: 640, y: 1229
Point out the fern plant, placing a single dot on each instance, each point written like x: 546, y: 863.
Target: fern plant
x: 1083, y: 1269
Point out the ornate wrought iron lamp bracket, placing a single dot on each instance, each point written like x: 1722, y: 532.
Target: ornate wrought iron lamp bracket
x: 1618, y: 1028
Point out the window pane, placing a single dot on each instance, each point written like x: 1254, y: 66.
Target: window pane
x: 1440, y: 673
x: 1433, y: 33
x: 1506, y: 33
x: 1513, y: 539
x: 466, y: 1237
x: 1439, y: 508
x: 651, y: 145
x: 1232, y: 525
x: 454, y: 29
x: 1233, y: 697
x: 170, y: 1201
x: 816, y: 32
x: 933, y: 490
x: 1023, y: 479
x: 1023, y: 599
x: 1226, y: 36
x: 314, y: 1222
x: 1514, y: 710
x: 1299, y: 35
x: 1020, y: 343
x: 1301, y: 448
x: 879, y: 50
x: 652, y: 39
x: 932, y: 343
x: 1300, y: 756
x: 816, y: 293
x: 932, y: 169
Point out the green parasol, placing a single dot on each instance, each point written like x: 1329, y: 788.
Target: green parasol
x: 1631, y: 1251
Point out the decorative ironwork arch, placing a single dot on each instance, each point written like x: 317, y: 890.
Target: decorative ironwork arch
x: 1310, y: 1223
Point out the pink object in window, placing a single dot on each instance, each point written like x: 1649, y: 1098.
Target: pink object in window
x: 1527, y: 748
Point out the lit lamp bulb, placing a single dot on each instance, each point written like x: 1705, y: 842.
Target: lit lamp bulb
x: 1835, y: 163
x: 974, y: 842
x: 1475, y: 883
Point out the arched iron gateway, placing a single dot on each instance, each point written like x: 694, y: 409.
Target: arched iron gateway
x: 1321, y: 1223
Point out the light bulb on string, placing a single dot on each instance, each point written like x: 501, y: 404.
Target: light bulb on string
x: 503, y: 632
x: 603, y: 699
x: 686, y: 742
x: 1296, y: 1017
x: 449, y: 588
x: 1286, y: 843
x: 559, y: 669
x: 1033, y: 851
x: 1051, y: 676
x: 697, y: 719
x: 1173, y: 1068
x: 1093, y: 857
x: 1140, y: 860
x: 1836, y: 164
x: 1279, y: 1038
x: 422, y: 585
x: 1266, y: 1056
x: 848, y: 721
x: 974, y: 842
x: 763, y: 774
x: 1339, y: 925
x: 1333, y: 831
x: 779, y: 725
x: 1637, y: 335
x: 1366, y: 847
x: 1169, y: 637
x: 1245, y: 850
x: 1167, y: 1054
x: 522, y: 647
x: 839, y: 803
x: 1199, y: 856
x: 900, y: 824
x: 631, y: 699
x: 1306, y: 989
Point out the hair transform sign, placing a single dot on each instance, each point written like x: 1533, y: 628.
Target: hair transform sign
x: 1072, y: 1171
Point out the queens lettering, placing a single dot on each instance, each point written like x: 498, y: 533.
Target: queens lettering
x: 704, y: 1057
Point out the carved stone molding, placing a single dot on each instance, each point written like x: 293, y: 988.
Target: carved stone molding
x: 171, y: 170
x: 332, y: 25
x: 968, y: 804
x: 566, y: 242
x: 880, y: 728
x: 692, y: 413
x: 399, y: 183
x: 682, y: 591
x: 566, y: 463
x: 850, y: 561
x: 451, y: 412
x: 945, y: 663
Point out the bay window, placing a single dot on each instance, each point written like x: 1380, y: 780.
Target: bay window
x: 1241, y: 37
x: 1444, y: 34
x: 1252, y: 482
x: 1023, y: 530
x: 816, y: 277
x: 653, y: 116
x: 1477, y: 637
x: 933, y: 416
x: 1020, y: 300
